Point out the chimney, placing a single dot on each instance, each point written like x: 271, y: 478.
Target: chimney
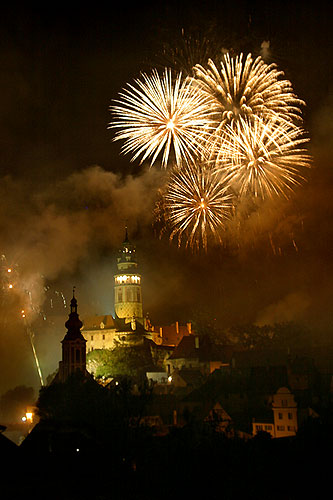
x: 177, y: 327
x: 189, y: 328
x: 196, y: 341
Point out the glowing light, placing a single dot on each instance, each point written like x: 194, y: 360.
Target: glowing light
x: 262, y: 157
x: 127, y: 279
x: 10, y: 286
x: 162, y: 115
x: 29, y: 416
x: 196, y: 204
x: 9, y: 270
x: 249, y: 87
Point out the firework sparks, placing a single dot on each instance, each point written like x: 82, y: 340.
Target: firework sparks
x: 262, y: 157
x: 196, y: 205
x: 185, y: 51
x: 163, y: 115
x: 250, y: 87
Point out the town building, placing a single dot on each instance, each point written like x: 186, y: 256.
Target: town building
x: 283, y: 421
x: 195, y: 352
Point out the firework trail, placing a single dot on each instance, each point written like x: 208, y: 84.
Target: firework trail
x: 163, y: 115
x: 196, y: 205
x: 248, y: 87
x: 262, y: 157
x: 17, y: 294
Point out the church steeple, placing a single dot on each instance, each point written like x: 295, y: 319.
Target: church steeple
x: 73, y: 345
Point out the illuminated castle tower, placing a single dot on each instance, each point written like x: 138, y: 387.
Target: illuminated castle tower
x: 127, y: 285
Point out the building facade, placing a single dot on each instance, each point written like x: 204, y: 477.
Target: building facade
x: 284, y: 420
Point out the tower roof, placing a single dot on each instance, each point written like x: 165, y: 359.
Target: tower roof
x: 73, y: 324
x: 127, y: 251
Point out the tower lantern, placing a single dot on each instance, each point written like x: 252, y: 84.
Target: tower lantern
x: 127, y: 284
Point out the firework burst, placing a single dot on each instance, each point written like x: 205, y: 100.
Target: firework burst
x: 196, y: 205
x: 262, y: 157
x: 249, y: 87
x: 162, y: 115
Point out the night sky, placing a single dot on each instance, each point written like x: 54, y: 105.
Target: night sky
x: 67, y: 193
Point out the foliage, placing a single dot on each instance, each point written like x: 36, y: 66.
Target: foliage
x: 279, y: 335
x: 205, y: 325
x: 121, y: 361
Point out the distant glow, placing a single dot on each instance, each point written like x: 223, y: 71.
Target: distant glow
x: 9, y: 270
x: 10, y: 286
x: 169, y: 378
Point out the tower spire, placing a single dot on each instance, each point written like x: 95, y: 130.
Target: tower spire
x: 126, y: 234
x: 73, y: 344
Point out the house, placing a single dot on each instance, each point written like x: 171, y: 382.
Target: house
x: 283, y: 418
x: 195, y: 352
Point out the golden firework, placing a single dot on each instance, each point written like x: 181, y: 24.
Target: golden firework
x: 196, y: 204
x: 261, y: 157
x: 249, y: 87
x: 162, y: 115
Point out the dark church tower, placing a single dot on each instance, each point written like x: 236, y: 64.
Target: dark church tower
x: 73, y: 346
